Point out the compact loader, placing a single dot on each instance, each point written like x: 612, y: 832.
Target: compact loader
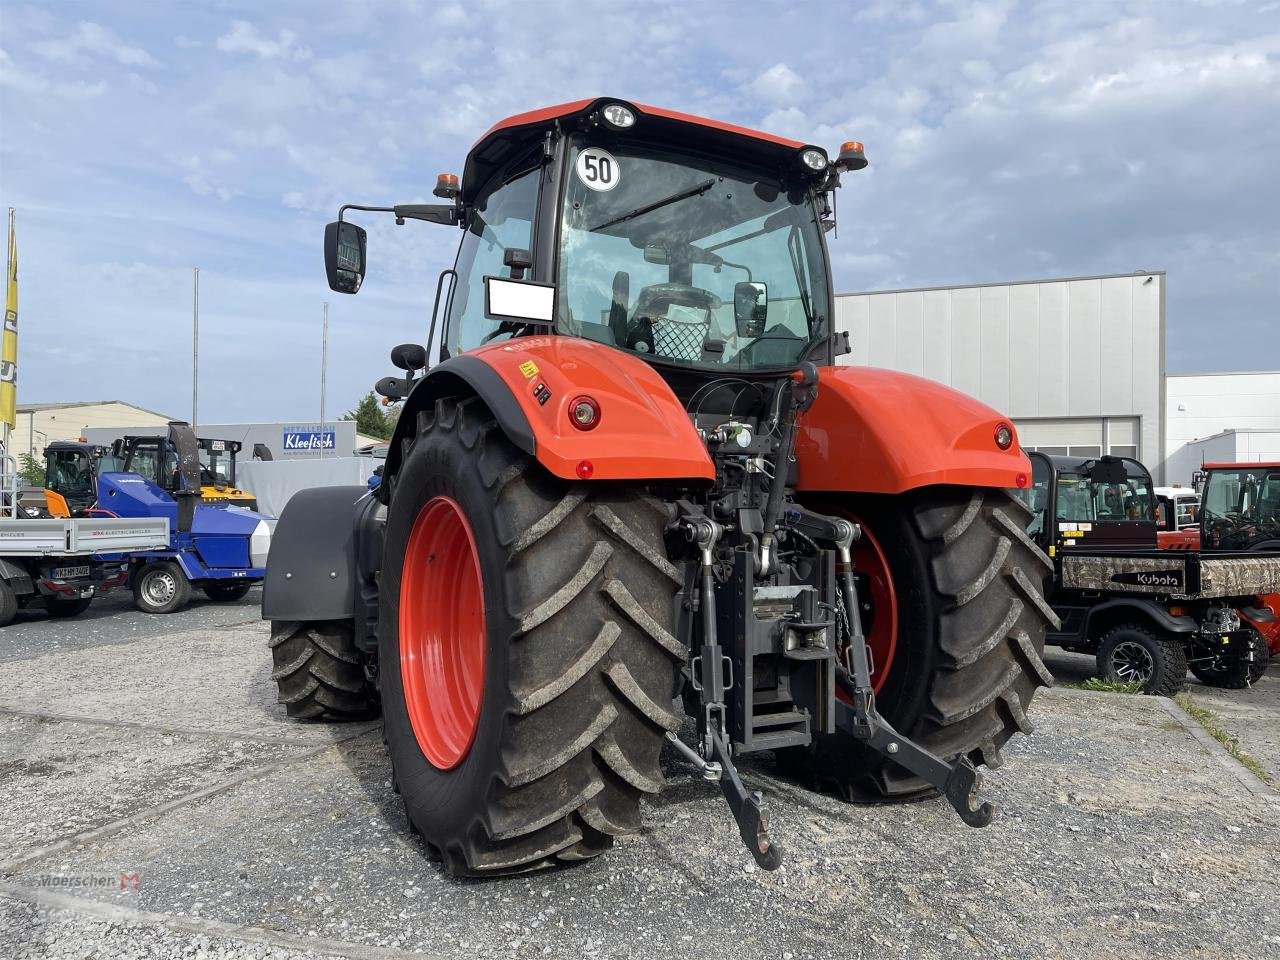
x: 631, y: 474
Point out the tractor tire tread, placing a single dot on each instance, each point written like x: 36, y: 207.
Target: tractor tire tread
x: 591, y: 668
x: 319, y: 673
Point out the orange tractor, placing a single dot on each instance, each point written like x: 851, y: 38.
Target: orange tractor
x: 632, y: 478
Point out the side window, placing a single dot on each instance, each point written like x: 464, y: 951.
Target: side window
x: 501, y: 220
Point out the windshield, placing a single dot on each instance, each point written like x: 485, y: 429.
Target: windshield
x: 70, y: 473
x: 688, y: 261
x: 1082, y: 499
x: 217, y: 463
x: 1241, y: 507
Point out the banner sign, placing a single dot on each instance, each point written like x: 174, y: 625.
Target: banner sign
x: 307, y: 439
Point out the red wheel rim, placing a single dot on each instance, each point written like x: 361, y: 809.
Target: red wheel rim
x: 442, y: 633
x: 880, y: 623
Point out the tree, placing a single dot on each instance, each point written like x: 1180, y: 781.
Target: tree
x: 30, y: 471
x: 370, y: 418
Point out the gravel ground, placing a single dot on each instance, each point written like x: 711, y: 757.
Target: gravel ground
x: 1251, y: 717
x: 1121, y: 835
x: 113, y: 618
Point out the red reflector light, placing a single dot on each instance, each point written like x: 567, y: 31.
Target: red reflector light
x: 1004, y: 436
x: 584, y: 413
x: 585, y: 469
x: 1020, y: 480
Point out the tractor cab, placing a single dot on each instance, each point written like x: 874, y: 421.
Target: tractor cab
x: 156, y: 459
x: 1241, y: 507
x: 71, y: 476
x: 684, y: 243
x: 1105, y: 502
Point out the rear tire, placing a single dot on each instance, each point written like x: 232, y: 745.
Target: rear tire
x: 1238, y: 676
x: 579, y: 661
x: 59, y: 608
x: 319, y: 672
x: 161, y: 587
x: 226, y: 592
x: 8, y: 604
x: 1132, y: 653
x: 971, y: 620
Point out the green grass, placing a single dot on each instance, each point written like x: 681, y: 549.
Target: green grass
x: 1106, y: 686
x: 1209, y: 720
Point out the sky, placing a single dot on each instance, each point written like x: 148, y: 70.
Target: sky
x: 1007, y: 141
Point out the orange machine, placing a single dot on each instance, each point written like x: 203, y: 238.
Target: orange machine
x: 631, y: 469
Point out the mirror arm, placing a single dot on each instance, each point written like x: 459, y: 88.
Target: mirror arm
x: 447, y: 213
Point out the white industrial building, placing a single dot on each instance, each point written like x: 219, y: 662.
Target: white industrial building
x: 1077, y: 363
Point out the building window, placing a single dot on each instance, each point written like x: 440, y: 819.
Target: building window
x: 1124, y: 450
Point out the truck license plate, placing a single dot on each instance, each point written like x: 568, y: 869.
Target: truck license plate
x: 71, y: 573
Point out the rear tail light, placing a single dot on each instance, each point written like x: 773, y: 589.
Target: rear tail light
x: 584, y: 413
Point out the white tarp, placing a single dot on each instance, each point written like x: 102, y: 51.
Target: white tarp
x: 274, y: 482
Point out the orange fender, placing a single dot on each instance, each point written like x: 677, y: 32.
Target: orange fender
x: 880, y: 431
x: 643, y: 432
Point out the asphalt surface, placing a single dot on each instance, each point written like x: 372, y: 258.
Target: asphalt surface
x: 159, y: 805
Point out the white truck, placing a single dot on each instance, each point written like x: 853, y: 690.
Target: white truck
x: 53, y: 562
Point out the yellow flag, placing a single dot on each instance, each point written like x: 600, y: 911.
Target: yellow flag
x: 9, y: 343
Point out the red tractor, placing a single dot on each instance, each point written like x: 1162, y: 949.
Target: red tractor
x: 632, y: 475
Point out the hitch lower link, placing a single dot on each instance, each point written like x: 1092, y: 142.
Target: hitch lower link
x: 958, y: 782
x: 715, y: 762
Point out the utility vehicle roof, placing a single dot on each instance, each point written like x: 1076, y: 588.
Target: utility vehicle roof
x: 1064, y: 464
x: 516, y: 134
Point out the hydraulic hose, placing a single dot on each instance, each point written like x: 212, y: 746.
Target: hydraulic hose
x: 781, y: 474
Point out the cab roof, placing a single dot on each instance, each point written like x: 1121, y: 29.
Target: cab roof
x: 510, y: 138
x: 1255, y: 465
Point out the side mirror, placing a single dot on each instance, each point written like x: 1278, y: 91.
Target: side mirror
x: 344, y: 256
x: 409, y: 356
x: 750, y: 307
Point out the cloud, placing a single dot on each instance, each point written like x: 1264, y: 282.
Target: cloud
x: 778, y: 84
x: 33, y: 82
x: 245, y: 38
x: 94, y: 40
x: 1051, y: 140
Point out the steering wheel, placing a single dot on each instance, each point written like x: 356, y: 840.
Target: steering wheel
x: 652, y: 329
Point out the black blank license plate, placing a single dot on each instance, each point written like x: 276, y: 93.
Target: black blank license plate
x: 71, y: 573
